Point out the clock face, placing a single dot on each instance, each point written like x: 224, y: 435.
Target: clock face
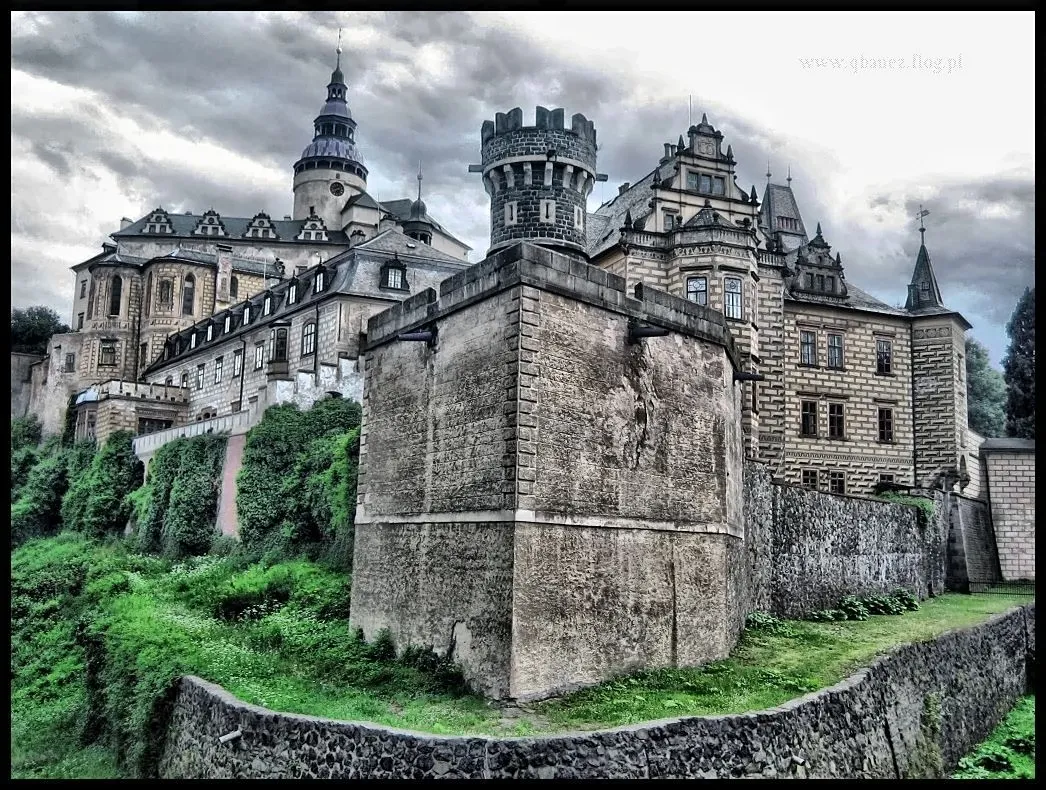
x: 337, y: 189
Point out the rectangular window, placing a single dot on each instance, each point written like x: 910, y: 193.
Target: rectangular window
x: 837, y: 482
x: 228, y: 324
x: 308, y: 339
x: 107, y: 356
x: 807, y: 348
x: 883, y: 357
x: 185, y: 379
x: 810, y: 479
x: 808, y: 418
x: 246, y: 314
x: 705, y: 184
x: 278, y: 345
x: 885, y: 425
x: 835, y: 351
x: 237, y: 362
x: 732, y: 297
x: 886, y: 478
x: 836, y: 425
x: 718, y: 186
x: 259, y: 356
x: 79, y: 320
x: 829, y: 284
x: 692, y: 181
x: 809, y: 279
x: 192, y: 340
x: 292, y: 293
x: 697, y: 290
x: 320, y: 281
x: 962, y: 368
x: 165, y: 294
x: 219, y: 364
x: 83, y: 288
x: 267, y: 305
x: 395, y: 278
x: 820, y: 282
x: 670, y: 221
x: 199, y: 377
x: 210, y: 331
x: 143, y: 354
x: 70, y: 363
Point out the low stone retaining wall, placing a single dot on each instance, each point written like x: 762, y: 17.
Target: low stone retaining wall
x: 913, y: 713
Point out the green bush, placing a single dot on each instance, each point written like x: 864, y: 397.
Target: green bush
x: 98, y: 499
x: 853, y: 607
x: 37, y: 512
x: 767, y: 623
x: 906, y: 598
x: 25, y: 432
x: 22, y: 462
x: 924, y: 506
x: 883, y: 604
x: 174, y: 512
x: 296, y: 488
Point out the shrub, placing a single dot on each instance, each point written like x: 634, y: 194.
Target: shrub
x: 906, y: 598
x: 38, y: 510
x: 767, y: 623
x: 98, y: 499
x: 296, y: 489
x: 22, y: 462
x: 25, y: 432
x: 883, y: 604
x: 924, y: 506
x: 853, y: 607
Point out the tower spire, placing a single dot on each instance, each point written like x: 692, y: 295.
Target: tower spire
x: 337, y: 66
x: 419, y: 179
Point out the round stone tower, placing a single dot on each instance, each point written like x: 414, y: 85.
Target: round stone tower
x: 538, y: 178
x: 331, y: 168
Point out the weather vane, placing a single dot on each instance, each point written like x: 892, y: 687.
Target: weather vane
x: 922, y: 229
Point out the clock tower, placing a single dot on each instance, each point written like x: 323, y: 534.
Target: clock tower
x: 330, y: 170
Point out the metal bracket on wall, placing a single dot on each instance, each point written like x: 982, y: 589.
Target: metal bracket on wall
x: 741, y: 375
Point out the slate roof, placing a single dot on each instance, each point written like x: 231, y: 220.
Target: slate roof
x: 184, y: 224
x: 363, y: 200
x: 923, y: 273
x: 1008, y: 445
x: 401, y: 210
x: 392, y: 241
x: 601, y: 236
x: 779, y: 201
x: 211, y: 259
x: 855, y: 299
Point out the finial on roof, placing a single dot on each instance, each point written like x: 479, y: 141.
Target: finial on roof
x: 419, y: 179
x: 628, y: 219
x: 768, y: 172
x: 729, y: 152
x: 753, y: 198
x: 818, y: 229
x: 338, y: 65
x: 838, y: 259
x: 922, y: 229
x: 789, y: 175
x: 681, y: 145
x: 704, y: 118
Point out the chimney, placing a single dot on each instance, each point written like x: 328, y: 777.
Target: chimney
x: 623, y: 188
x: 125, y: 223
x: 668, y: 152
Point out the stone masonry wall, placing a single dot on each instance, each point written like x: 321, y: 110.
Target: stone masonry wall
x: 973, y: 557
x: 807, y: 549
x: 1011, y: 487
x: 21, y: 382
x: 890, y: 720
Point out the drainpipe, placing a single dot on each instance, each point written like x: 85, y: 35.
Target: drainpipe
x: 316, y: 351
x: 243, y: 368
x: 911, y: 367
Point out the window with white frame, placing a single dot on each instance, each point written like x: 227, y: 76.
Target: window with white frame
x: 210, y: 331
x: 292, y: 293
x: 807, y: 347
x: 733, y: 297
x: 259, y: 356
x: 228, y: 324
x: 308, y: 339
x: 199, y: 377
x: 835, y: 350
x: 697, y: 290
x: 246, y: 314
x: 320, y: 281
x: 237, y: 362
x: 267, y: 305
x: 219, y: 365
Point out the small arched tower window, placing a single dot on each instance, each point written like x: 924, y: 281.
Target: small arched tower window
x: 234, y: 287
x: 188, y: 295
x: 115, y: 295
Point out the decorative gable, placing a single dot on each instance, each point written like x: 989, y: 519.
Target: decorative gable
x: 816, y: 272
x: 210, y: 224
x: 158, y: 222
x: 261, y: 227
x: 314, y: 228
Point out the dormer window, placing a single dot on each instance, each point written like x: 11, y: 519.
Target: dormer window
x: 320, y: 281
x: 192, y: 340
x: 705, y: 184
x: 292, y: 293
x: 267, y: 306
x: 394, y: 275
x: 246, y: 314
x: 210, y: 332
x: 829, y: 284
x: 228, y: 324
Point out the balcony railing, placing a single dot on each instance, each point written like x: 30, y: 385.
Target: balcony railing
x: 235, y: 423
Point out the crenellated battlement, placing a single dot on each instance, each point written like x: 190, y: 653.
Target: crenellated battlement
x: 544, y: 118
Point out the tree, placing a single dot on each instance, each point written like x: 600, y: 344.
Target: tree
x: 985, y: 392
x: 32, y: 327
x: 1019, y: 369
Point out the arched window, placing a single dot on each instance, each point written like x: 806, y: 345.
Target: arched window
x: 234, y: 287
x: 115, y: 294
x: 188, y: 295
x: 169, y: 381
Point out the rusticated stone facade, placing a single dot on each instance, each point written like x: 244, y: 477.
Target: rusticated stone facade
x: 924, y: 700
x: 530, y: 498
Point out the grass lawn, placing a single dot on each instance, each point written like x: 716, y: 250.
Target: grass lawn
x: 279, y: 635
x: 1009, y: 753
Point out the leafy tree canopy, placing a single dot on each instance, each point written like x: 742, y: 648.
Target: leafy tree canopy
x: 32, y: 327
x: 985, y: 392
x: 1019, y: 369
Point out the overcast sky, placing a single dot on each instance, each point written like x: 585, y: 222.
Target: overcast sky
x: 114, y: 113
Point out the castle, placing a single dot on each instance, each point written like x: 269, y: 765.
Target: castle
x: 185, y: 318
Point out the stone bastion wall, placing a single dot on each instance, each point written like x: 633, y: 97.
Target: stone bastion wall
x: 913, y: 713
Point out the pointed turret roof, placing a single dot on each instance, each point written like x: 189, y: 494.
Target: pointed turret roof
x: 923, y: 291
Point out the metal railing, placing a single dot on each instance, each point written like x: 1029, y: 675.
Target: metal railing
x: 995, y: 587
